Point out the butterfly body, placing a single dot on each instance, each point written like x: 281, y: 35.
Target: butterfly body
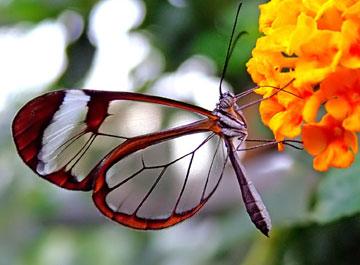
x: 231, y: 120
x: 233, y: 126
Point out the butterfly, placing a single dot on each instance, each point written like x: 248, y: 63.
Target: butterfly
x: 76, y: 140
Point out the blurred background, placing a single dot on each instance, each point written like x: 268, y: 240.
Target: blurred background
x: 176, y: 49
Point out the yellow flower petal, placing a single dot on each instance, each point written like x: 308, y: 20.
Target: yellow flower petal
x: 286, y: 124
x: 347, y: 5
x: 351, y: 8
x: 343, y: 157
x: 350, y: 44
x: 352, y: 123
x: 277, y: 121
x: 311, y: 108
x: 338, y: 108
x: 305, y: 28
x: 314, y: 139
x: 269, y: 19
x: 322, y: 161
x: 268, y: 108
x: 330, y: 19
x: 351, y: 140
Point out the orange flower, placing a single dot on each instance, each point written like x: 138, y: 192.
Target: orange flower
x: 340, y: 92
x: 329, y: 143
x: 316, y: 43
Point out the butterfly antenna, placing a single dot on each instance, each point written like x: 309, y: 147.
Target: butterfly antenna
x: 236, y: 39
x: 278, y: 90
x: 230, y: 48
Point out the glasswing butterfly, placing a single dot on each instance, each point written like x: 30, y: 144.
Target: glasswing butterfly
x: 77, y: 139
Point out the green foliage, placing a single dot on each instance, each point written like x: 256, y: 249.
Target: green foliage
x: 37, y: 10
x: 338, y: 195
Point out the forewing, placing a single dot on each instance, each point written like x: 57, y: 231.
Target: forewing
x: 63, y: 135
x: 162, y: 184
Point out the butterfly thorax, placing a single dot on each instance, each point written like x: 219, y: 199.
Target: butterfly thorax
x: 231, y: 119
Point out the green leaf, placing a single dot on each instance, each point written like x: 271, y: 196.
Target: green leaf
x: 31, y: 10
x: 338, y: 195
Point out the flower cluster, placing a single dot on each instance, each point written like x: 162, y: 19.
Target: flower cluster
x: 316, y: 43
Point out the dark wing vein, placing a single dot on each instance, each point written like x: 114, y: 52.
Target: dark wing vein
x: 211, y: 166
x: 151, y: 189
x: 81, y: 152
x: 184, y: 184
x: 144, y: 167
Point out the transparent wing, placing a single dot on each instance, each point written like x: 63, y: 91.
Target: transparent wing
x: 162, y: 184
x: 63, y: 135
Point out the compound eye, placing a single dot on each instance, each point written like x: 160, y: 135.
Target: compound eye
x: 226, y: 102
